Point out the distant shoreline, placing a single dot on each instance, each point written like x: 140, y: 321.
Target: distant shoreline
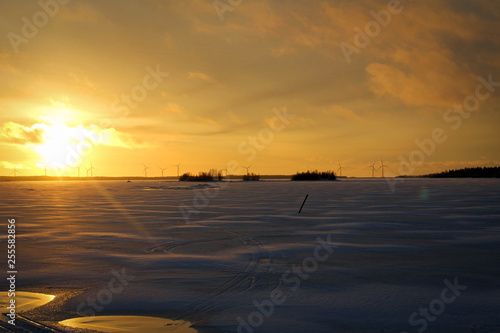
x: 170, y: 178
x: 4, y: 179
x: 478, y: 172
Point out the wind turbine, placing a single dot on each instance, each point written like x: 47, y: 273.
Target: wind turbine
x: 78, y: 167
x: 340, y: 169
x: 45, y: 168
x: 14, y: 172
x: 382, y: 167
x: 224, y: 170
x: 146, y: 170
x: 91, y: 168
x: 248, y: 167
x: 162, y: 171
x: 373, y: 169
x: 177, y: 165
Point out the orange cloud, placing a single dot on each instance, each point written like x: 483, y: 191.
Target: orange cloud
x: 340, y: 112
x: 18, y: 134
x: 201, y: 76
x: 80, y: 12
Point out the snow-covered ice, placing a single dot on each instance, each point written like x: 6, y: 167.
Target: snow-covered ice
x: 128, y: 247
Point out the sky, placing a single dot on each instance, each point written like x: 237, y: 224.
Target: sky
x: 280, y: 86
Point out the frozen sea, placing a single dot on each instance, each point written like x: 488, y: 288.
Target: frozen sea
x: 239, y: 257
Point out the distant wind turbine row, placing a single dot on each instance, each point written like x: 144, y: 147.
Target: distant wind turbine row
x: 145, y: 170
x: 382, y: 166
x: 91, y: 168
x: 44, y: 167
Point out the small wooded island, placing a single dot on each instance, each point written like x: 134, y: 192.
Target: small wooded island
x: 314, y: 175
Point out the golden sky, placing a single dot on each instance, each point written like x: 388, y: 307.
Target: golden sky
x: 283, y: 86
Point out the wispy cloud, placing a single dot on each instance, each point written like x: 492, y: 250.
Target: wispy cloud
x: 340, y: 112
x: 114, y: 138
x: 38, y: 134
x: 81, y: 12
x: 201, y: 76
x: 18, y: 134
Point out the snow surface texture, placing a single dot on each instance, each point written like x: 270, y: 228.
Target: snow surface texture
x: 393, y: 251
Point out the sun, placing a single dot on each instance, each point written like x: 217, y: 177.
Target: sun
x: 54, y: 149
x: 64, y: 146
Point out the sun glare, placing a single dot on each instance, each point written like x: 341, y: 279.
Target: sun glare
x: 57, y: 138
x: 63, y: 146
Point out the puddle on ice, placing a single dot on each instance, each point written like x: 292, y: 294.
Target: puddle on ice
x: 122, y: 324
x: 25, y: 301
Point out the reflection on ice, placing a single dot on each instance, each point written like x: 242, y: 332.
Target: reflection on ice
x: 122, y: 324
x: 25, y: 301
